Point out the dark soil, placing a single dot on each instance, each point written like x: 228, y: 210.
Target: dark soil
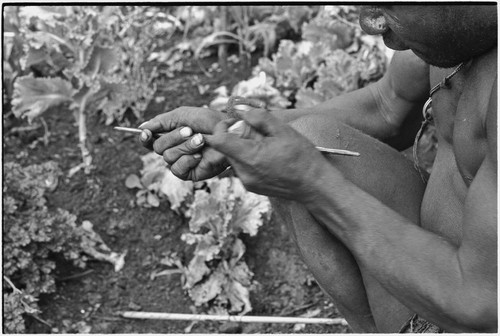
x: 94, y: 294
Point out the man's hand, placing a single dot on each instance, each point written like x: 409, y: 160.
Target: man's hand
x: 182, y: 145
x: 274, y: 160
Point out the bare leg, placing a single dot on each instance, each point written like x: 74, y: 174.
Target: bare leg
x: 385, y: 174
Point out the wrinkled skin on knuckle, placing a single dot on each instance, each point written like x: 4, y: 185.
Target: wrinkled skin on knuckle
x: 193, y: 176
x: 169, y: 120
x: 156, y: 147
x: 168, y: 157
x: 178, y: 171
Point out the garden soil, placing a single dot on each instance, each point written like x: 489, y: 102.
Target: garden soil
x: 87, y: 300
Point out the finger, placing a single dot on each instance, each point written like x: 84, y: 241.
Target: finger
x: 223, y: 125
x: 171, y: 139
x: 156, y: 124
x: 212, y: 163
x: 262, y: 121
x: 191, y: 146
x: 198, y: 118
x: 237, y: 127
x: 164, y: 122
x: 184, y: 167
x: 230, y: 145
x: 146, y: 139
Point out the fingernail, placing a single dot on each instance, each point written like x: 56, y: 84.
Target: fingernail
x: 144, y: 136
x: 237, y: 128
x: 186, y: 131
x: 197, y: 156
x: 197, y: 139
x: 142, y: 125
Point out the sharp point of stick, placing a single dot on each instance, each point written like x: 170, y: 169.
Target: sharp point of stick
x: 337, y: 151
x: 128, y: 129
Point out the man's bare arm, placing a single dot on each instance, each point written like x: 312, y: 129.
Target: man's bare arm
x: 388, y: 109
x: 449, y: 285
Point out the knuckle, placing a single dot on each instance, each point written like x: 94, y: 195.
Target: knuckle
x: 179, y: 172
x: 157, y: 147
x: 168, y: 157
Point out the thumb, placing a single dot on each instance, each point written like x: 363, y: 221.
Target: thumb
x: 154, y: 125
x: 231, y: 145
x: 262, y: 121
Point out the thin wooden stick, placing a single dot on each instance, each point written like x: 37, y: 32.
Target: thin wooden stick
x: 321, y: 149
x: 337, y: 151
x: 230, y: 318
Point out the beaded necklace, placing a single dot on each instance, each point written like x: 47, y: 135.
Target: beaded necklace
x: 427, y: 114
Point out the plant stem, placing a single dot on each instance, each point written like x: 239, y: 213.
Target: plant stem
x: 41, y: 320
x: 76, y: 276
x: 14, y: 288
x: 82, y: 134
x: 222, y: 51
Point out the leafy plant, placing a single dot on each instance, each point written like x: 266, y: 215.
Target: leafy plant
x: 12, y: 50
x: 250, y: 27
x: 333, y: 57
x: 94, y: 58
x: 15, y: 305
x: 32, y: 234
x: 219, y: 210
x: 217, y: 273
x: 157, y: 182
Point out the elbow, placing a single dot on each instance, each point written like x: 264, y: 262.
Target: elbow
x: 384, y: 99
x: 482, y: 317
x: 476, y: 311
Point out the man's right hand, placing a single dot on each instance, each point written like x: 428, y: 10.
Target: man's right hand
x: 188, y: 158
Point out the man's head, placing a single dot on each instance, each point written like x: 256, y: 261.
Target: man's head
x: 442, y: 35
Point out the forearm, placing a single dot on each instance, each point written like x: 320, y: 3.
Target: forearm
x: 419, y: 268
x: 367, y: 110
x: 389, y: 110
x: 353, y: 108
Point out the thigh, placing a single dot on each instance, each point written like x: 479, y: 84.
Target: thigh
x: 382, y: 172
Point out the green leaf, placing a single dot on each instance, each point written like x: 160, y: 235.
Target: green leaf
x: 35, y: 56
x: 152, y: 200
x: 239, y: 297
x: 208, y: 289
x: 33, y: 96
x: 102, y: 60
x: 196, y: 270
x: 133, y: 181
x: 251, y: 211
x: 335, y: 34
x: 176, y: 190
x: 44, y: 13
x: 307, y: 97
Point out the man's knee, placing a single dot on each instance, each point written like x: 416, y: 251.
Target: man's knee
x: 320, y: 129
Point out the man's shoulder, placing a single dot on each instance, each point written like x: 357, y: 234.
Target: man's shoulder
x: 481, y: 79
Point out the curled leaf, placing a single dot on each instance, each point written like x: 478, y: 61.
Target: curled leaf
x: 133, y: 181
x: 176, y: 190
x: 152, y: 200
x: 33, y: 96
